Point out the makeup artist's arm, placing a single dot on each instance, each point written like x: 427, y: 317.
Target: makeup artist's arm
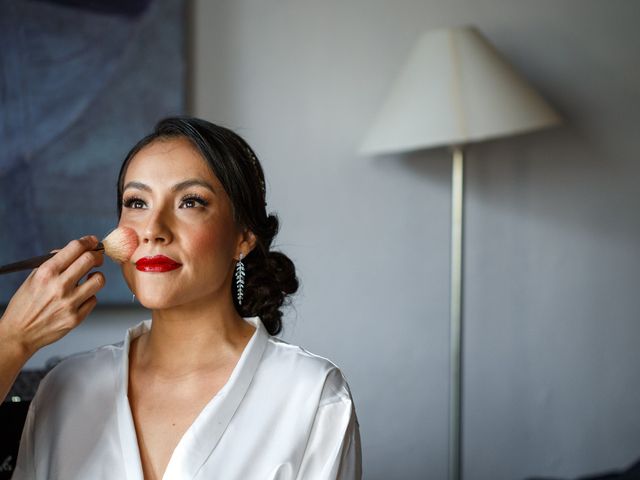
x: 48, y: 305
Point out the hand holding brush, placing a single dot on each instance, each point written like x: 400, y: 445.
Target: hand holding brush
x: 52, y: 301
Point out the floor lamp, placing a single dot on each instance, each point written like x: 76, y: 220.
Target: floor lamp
x: 455, y: 89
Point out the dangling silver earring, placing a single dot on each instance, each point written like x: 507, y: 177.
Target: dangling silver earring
x: 240, y: 279
x: 133, y: 299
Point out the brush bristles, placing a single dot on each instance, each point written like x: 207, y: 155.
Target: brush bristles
x: 120, y: 244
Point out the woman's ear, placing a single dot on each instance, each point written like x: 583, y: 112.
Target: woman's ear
x: 247, y: 242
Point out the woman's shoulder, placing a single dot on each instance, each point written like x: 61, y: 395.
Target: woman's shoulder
x: 98, y: 364
x: 88, y: 360
x: 95, y: 370
x: 298, y: 356
x: 298, y: 365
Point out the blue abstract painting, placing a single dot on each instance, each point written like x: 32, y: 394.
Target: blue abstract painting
x: 80, y: 83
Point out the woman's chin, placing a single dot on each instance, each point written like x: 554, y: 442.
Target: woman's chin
x: 153, y: 301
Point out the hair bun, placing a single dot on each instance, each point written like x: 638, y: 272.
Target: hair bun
x: 283, y: 272
x: 270, y: 280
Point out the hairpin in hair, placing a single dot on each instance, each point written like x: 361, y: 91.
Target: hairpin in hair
x: 254, y: 162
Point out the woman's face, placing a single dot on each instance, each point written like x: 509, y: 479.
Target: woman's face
x: 188, y: 239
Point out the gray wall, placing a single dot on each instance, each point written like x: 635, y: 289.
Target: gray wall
x: 552, y: 368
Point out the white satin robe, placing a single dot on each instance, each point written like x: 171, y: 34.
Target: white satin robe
x: 283, y: 414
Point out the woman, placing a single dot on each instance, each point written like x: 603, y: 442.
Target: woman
x: 203, y: 389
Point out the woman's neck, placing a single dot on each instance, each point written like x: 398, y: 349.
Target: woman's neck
x: 192, y: 338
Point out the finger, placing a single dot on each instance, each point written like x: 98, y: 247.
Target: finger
x: 86, y: 308
x: 89, y: 288
x: 73, y: 271
x: 65, y: 257
x: 81, y: 266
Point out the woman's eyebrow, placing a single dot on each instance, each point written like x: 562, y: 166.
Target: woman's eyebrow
x: 137, y: 186
x: 177, y: 187
x: 192, y: 183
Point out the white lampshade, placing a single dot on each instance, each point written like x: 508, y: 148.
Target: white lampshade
x: 455, y: 89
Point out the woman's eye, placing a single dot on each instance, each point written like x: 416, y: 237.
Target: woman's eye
x: 133, y: 203
x: 193, y: 201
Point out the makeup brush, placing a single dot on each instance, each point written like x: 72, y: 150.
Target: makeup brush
x: 119, y: 245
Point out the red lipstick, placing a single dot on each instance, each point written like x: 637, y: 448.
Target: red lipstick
x: 157, y: 263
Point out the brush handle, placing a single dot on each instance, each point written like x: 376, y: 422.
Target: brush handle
x: 34, y: 262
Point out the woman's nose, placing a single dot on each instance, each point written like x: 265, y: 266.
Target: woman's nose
x: 157, y: 229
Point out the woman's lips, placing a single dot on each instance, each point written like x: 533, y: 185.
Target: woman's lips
x: 157, y: 263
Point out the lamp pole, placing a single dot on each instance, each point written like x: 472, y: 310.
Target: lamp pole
x: 457, y: 218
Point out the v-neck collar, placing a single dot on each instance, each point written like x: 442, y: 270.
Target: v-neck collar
x: 201, y: 438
